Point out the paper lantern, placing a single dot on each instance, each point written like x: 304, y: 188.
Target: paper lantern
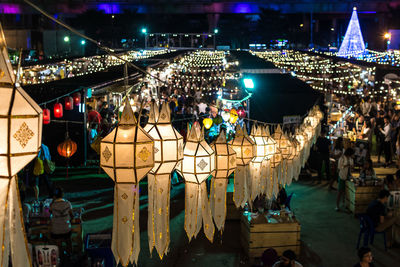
x: 127, y: 155
x: 282, y: 142
x: 233, y: 116
x: 256, y: 185
x: 197, y: 165
x: 207, y: 122
x: 226, y: 115
x: 58, y: 110
x: 241, y: 112
x: 168, y: 151
x: 244, y: 148
x: 77, y: 98
x: 67, y: 148
x: 46, y: 116
x: 68, y: 103
x: 225, y: 164
x: 20, y: 141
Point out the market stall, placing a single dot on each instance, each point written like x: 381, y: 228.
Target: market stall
x: 39, y: 231
x: 359, y: 196
x: 279, y: 230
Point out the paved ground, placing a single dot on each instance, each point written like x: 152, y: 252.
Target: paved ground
x: 328, y: 237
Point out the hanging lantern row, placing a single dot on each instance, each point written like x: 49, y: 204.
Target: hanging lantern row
x: 58, y: 109
x: 261, y: 162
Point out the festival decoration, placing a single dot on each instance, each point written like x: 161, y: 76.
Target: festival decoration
x: 226, y: 115
x: 77, y: 98
x: 207, y: 122
x: 225, y: 164
x: 244, y: 148
x: 241, y: 112
x: 46, y: 116
x: 21, y: 135
x: 270, y: 147
x: 127, y: 155
x: 168, y: 151
x: 58, y: 110
x: 67, y: 148
x: 256, y: 186
x: 353, y: 42
x: 197, y: 165
x: 233, y: 116
x: 68, y: 103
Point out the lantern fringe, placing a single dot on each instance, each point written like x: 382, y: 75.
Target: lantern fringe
x: 125, y: 243
x: 241, y: 188
x: 196, y: 199
x: 12, y: 229
x: 158, y: 211
x: 218, y: 201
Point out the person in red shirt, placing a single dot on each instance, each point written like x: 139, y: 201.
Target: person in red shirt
x: 93, y: 116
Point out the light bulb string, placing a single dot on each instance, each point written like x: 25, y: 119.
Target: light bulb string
x: 104, y: 48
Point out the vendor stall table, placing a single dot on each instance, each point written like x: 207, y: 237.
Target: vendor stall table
x: 40, y: 229
x: 262, y: 232
x: 359, y: 197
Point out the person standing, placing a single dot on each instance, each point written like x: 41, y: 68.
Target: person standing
x: 345, y: 166
x: 60, y: 220
x: 322, y: 146
x: 386, y: 130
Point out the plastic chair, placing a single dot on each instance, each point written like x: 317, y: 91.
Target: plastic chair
x: 367, y: 228
x: 47, y: 256
x: 287, y: 202
x: 364, y: 230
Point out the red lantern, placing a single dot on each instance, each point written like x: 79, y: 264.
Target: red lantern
x: 67, y: 148
x: 77, y: 99
x: 68, y: 103
x: 58, y: 110
x: 46, y: 116
x: 241, y: 112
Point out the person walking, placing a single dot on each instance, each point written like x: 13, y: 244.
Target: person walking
x: 345, y: 166
x: 386, y: 130
x: 322, y: 147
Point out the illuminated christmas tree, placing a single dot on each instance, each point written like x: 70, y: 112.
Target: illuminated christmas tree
x: 353, y: 43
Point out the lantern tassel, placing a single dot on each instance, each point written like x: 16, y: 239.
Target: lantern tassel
x: 126, y: 233
x: 255, y: 180
x: 197, y: 211
x: 265, y: 177
x: 12, y: 229
x: 218, y: 201
x: 158, y: 212
x: 241, y: 193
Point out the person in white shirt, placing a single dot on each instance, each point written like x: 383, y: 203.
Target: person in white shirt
x: 345, y: 166
x: 387, y: 140
x: 288, y: 259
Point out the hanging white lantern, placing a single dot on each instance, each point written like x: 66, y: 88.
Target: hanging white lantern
x: 256, y: 186
x: 168, y: 151
x: 244, y: 148
x: 271, y: 148
x: 21, y: 135
x: 127, y: 155
x: 197, y: 165
x: 225, y: 164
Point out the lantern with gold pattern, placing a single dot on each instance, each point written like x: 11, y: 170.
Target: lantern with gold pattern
x: 197, y: 165
x: 168, y: 151
x: 21, y: 135
x: 245, y: 151
x: 126, y: 155
x: 225, y: 164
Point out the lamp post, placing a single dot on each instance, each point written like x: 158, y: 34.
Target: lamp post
x: 387, y: 37
x: 144, y: 31
x: 215, y: 33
